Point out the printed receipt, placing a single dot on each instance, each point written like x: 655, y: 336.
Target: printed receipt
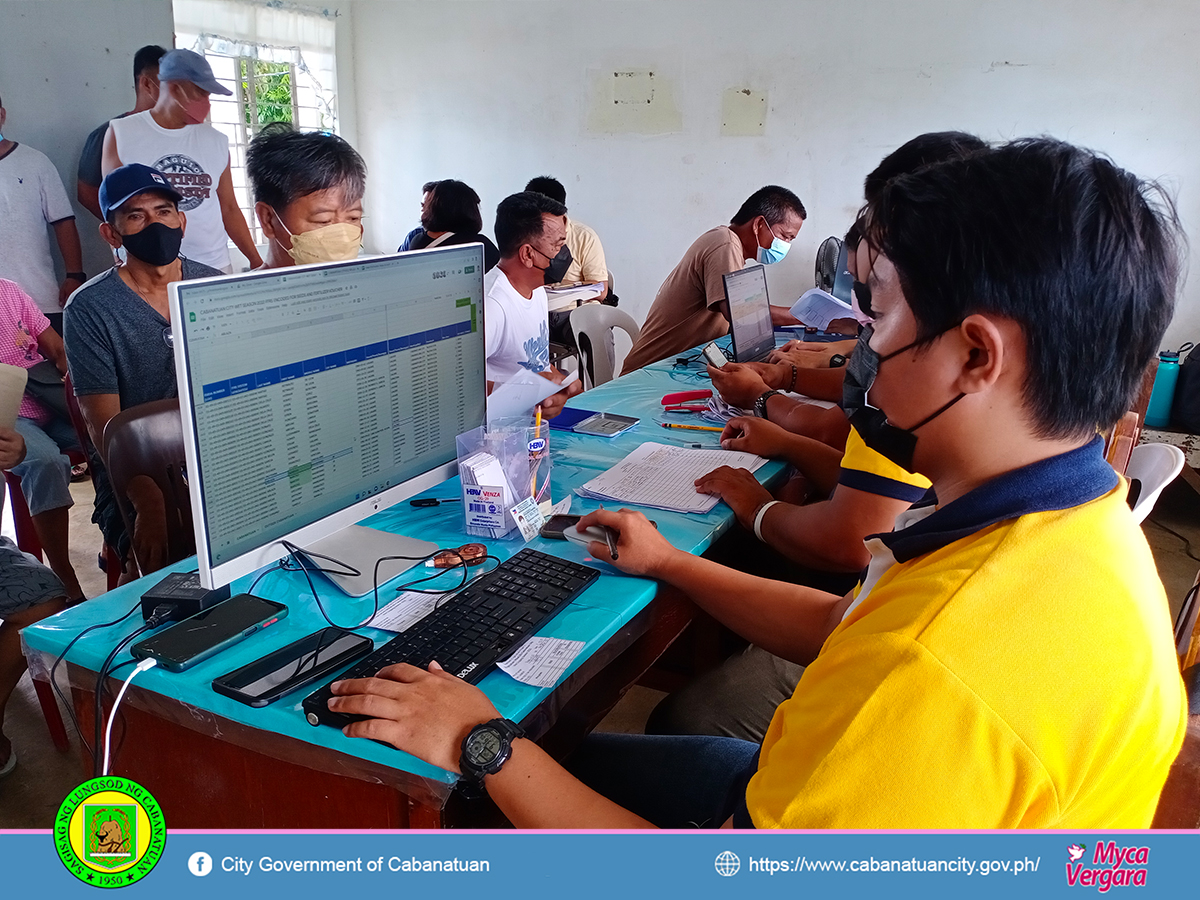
x: 541, y: 661
x: 407, y: 609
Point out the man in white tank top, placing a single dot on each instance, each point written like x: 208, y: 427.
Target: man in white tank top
x: 173, y: 138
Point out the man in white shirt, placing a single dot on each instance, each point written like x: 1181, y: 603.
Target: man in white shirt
x: 531, y: 231
x: 173, y: 138
x: 31, y: 197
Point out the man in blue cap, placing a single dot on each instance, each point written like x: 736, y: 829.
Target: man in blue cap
x: 118, y: 337
x: 173, y: 138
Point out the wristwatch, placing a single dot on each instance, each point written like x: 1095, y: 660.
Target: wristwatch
x: 836, y: 361
x: 485, y: 749
x: 76, y: 276
x: 760, y: 405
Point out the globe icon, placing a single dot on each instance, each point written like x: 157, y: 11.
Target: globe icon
x: 727, y: 863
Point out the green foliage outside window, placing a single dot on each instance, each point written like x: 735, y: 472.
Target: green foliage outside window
x: 271, y: 98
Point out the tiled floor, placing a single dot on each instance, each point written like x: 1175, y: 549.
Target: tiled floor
x: 31, y: 795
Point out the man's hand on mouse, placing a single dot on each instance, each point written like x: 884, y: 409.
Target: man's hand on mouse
x: 641, y: 550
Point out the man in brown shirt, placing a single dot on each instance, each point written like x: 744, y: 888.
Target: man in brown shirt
x: 690, y: 308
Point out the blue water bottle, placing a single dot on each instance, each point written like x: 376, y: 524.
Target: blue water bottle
x: 1158, y: 413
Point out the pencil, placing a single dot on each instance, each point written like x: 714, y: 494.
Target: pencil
x: 691, y: 427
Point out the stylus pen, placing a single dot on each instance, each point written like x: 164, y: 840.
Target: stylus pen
x: 691, y: 427
x: 434, y: 501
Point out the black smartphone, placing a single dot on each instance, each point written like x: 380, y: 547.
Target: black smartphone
x: 210, y: 631
x: 555, y: 525
x: 290, y: 668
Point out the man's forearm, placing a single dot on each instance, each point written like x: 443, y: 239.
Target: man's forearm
x: 67, y: 236
x: 819, y: 463
x: 239, y: 233
x: 785, y: 619
x: 809, y: 535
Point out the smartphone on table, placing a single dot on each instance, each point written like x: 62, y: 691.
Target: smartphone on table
x: 556, y: 525
x: 290, y: 668
x: 210, y: 631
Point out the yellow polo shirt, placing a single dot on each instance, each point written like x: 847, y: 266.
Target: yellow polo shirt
x: 1010, y: 664
x: 865, y: 470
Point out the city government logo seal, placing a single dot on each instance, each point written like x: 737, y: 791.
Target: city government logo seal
x: 110, y: 832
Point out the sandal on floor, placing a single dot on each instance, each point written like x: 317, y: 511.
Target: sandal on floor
x: 10, y: 764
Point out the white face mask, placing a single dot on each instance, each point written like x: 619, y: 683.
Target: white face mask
x: 329, y: 243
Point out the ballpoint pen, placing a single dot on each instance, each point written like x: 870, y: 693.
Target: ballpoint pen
x: 608, y: 536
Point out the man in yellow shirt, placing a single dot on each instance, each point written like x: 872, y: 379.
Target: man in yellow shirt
x: 1007, y: 660
x: 587, y: 253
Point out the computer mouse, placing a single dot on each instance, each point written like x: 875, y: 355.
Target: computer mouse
x: 586, y: 536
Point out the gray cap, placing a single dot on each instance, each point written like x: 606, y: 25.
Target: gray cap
x: 188, y: 65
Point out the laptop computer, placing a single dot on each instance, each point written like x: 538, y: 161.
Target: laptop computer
x: 749, y: 314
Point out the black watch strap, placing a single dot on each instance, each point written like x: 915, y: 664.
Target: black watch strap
x: 760, y: 405
x: 77, y: 276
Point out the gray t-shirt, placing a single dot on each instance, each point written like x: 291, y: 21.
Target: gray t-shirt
x: 117, y: 343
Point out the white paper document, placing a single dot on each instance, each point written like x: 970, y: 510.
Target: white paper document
x: 817, y: 308
x: 12, y: 390
x: 405, y: 611
x: 663, y: 477
x: 520, y: 395
x: 541, y: 661
x: 568, y: 296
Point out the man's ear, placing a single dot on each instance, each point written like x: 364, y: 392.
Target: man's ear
x: 266, y: 220
x: 525, y: 256
x: 182, y: 221
x: 110, y: 235
x: 988, y: 345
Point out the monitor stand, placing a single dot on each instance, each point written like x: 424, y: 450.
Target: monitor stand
x: 360, y: 547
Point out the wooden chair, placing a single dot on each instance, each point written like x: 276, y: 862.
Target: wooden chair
x: 1179, y: 803
x: 148, y: 440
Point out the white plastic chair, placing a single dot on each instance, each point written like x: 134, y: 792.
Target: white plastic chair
x: 593, y: 324
x: 1155, y: 466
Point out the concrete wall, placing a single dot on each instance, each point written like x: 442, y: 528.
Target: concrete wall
x: 495, y: 92
x: 65, y: 67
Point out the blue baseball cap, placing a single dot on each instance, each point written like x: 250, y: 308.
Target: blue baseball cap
x: 129, y: 181
x: 188, y: 65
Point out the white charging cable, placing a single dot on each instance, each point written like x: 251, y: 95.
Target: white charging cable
x: 145, y: 664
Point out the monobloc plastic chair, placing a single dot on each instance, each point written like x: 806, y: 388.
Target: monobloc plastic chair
x: 1153, y: 466
x: 593, y: 324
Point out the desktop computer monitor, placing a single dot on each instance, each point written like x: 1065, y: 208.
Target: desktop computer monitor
x: 749, y: 314
x: 315, y: 396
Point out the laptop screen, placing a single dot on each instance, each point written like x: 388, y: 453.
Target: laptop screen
x: 749, y: 313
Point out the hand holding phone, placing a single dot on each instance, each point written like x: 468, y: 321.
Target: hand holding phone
x: 715, y: 355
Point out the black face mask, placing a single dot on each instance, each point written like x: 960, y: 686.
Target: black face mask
x: 557, y: 270
x: 156, y: 244
x: 872, y: 425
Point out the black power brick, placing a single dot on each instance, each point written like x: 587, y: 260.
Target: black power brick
x: 184, y: 591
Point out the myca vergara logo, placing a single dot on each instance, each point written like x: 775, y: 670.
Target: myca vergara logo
x: 1110, y: 866
x: 110, y: 832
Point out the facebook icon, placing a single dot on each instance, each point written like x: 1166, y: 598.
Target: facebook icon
x: 200, y: 864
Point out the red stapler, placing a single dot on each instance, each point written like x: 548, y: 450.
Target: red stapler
x: 679, y: 402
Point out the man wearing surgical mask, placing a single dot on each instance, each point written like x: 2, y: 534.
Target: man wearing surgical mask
x: 531, y: 231
x: 120, y: 348
x: 308, y: 190
x: 690, y: 308
x: 173, y: 138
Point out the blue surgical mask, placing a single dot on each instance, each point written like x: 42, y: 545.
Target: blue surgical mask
x: 777, y: 251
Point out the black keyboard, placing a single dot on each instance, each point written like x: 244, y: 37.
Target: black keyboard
x: 477, y: 627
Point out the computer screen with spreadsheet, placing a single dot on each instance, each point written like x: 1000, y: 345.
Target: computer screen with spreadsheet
x: 749, y: 314
x: 315, y: 396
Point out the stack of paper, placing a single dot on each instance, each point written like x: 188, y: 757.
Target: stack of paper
x: 663, y: 477
x: 568, y: 295
x: 488, y: 497
x: 12, y: 391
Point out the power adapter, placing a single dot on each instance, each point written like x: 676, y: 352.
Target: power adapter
x: 184, y: 591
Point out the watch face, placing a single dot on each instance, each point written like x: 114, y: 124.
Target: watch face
x: 483, y: 747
